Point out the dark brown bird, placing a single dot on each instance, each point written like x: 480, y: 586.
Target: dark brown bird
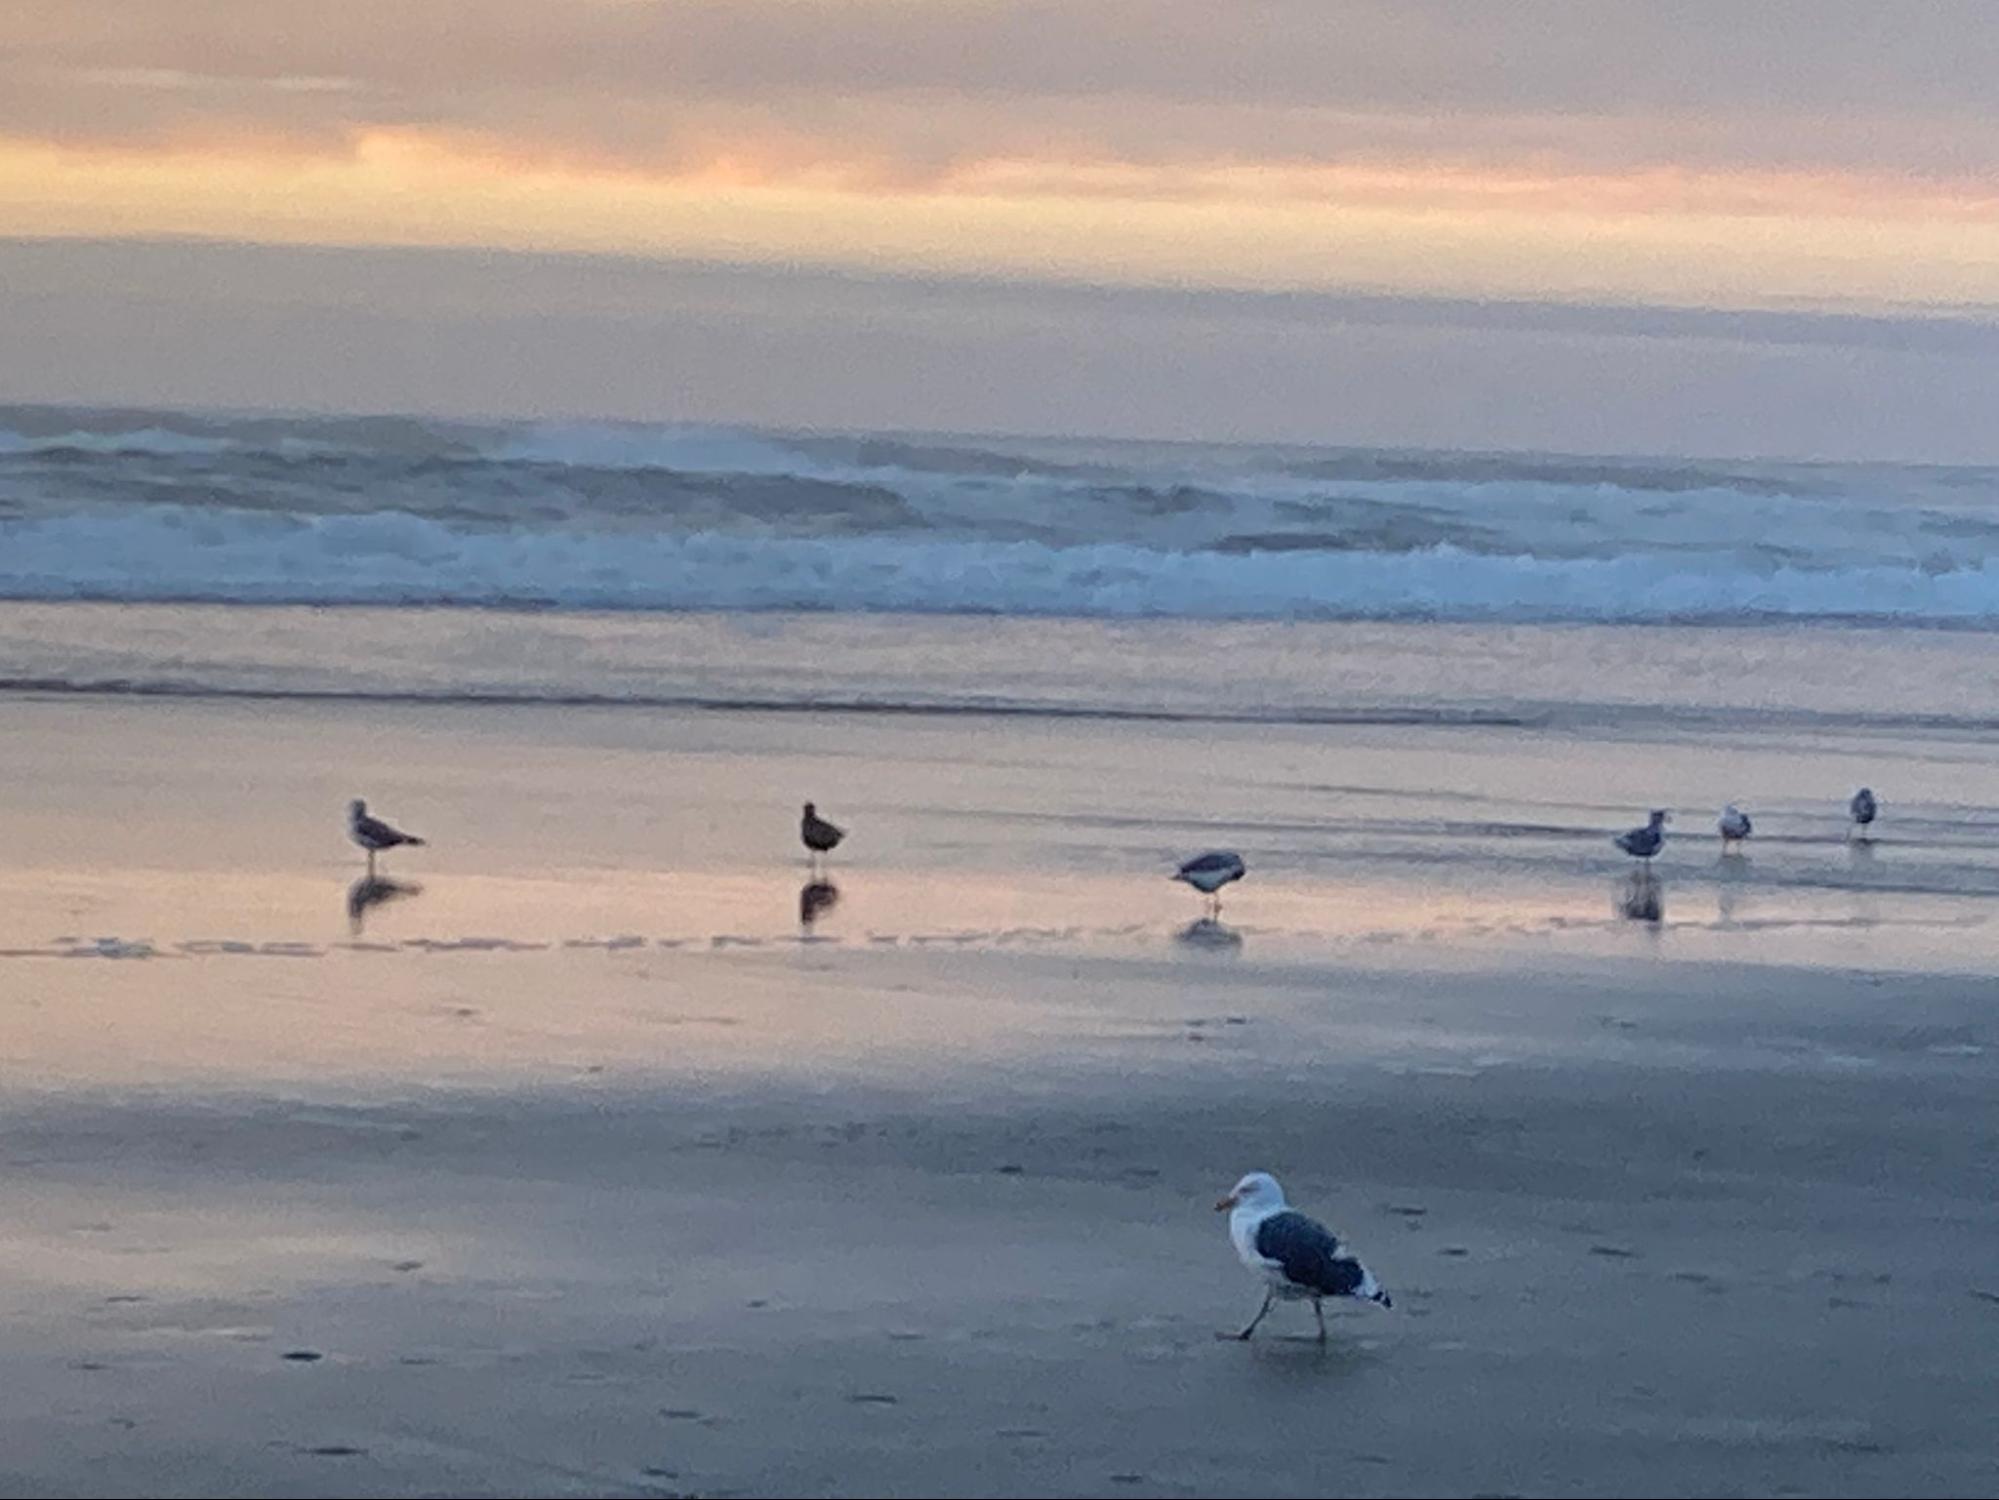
x: 819, y: 836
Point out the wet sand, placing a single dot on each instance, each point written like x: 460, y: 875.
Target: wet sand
x: 573, y: 1174
x: 1609, y: 1279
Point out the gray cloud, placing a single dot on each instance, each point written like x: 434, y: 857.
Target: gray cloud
x: 1533, y: 55
x: 1616, y: 82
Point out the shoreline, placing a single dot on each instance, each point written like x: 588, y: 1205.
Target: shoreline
x: 918, y: 1201
x: 1782, y: 673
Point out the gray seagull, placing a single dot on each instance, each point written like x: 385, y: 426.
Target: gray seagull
x: 373, y: 834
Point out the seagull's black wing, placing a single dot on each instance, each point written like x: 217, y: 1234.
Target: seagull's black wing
x: 1309, y: 1253
x: 1216, y: 862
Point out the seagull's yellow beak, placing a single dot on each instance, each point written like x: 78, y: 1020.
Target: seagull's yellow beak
x: 1225, y: 1203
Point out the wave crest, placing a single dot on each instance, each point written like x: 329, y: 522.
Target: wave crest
x: 183, y: 553
x: 168, y: 506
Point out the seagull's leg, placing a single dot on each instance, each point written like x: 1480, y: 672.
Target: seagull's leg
x: 1319, y: 1313
x: 371, y: 864
x: 1268, y: 1298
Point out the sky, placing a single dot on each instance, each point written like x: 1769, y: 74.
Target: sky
x: 1655, y: 227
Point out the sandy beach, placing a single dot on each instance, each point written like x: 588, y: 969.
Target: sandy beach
x: 589, y: 1169
x: 1612, y: 1279
x: 1381, y: 621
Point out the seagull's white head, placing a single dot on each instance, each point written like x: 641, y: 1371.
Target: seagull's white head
x: 357, y: 809
x: 1731, y: 811
x: 1257, y: 1190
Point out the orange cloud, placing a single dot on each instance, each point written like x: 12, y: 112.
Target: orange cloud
x: 1728, y: 238
x: 1381, y: 143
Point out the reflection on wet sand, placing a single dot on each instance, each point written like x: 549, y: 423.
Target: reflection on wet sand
x: 371, y: 891
x: 1731, y: 870
x: 1212, y: 934
x: 815, y: 899
x: 1640, y: 897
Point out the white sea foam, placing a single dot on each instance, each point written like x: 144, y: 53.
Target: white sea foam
x: 686, y: 450
x: 389, y: 557
x: 386, y: 509
x: 160, y: 442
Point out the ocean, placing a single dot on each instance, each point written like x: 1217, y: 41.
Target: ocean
x: 1427, y: 687
x: 157, y: 506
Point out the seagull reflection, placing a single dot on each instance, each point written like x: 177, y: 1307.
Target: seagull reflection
x: 372, y: 890
x: 1731, y: 870
x: 1211, y: 934
x: 815, y: 899
x: 1640, y: 897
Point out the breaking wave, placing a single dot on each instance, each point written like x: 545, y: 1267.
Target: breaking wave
x: 166, y: 506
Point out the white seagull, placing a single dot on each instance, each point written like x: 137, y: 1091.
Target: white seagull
x: 1864, y: 808
x: 1647, y: 841
x: 1208, y: 873
x: 373, y: 834
x: 1299, y: 1258
x: 1735, y: 825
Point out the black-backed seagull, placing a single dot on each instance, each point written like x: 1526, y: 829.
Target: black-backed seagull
x: 1864, y: 808
x: 1298, y: 1257
x: 1208, y: 873
x: 1647, y: 841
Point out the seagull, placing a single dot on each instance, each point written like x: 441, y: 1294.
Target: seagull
x: 373, y: 834
x: 1735, y: 825
x: 1208, y: 873
x: 1298, y: 1257
x: 1647, y: 841
x: 819, y: 836
x: 1864, y: 808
